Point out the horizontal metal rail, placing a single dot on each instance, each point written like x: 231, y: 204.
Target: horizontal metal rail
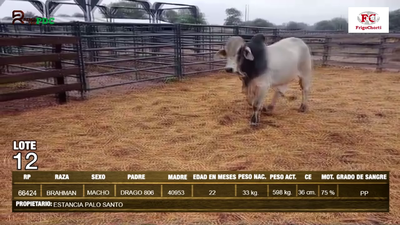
x: 21, y: 77
x: 129, y: 71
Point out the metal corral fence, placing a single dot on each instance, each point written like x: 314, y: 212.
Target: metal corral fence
x: 115, y: 54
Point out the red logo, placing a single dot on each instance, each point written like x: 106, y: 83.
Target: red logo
x: 21, y: 17
x: 19, y: 14
x: 368, y: 18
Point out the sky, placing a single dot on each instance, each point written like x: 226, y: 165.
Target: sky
x: 275, y: 11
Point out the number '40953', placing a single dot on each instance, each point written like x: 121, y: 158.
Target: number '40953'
x: 29, y: 165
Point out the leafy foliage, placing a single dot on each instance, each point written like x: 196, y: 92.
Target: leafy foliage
x: 340, y: 23
x: 30, y: 14
x: 261, y: 23
x: 78, y: 15
x: 295, y: 26
x: 171, y: 16
x: 324, y: 25
x: 63, y: 15
x: 233, y: 17
x: 183, y: 16
x: 394, y: 20
x: 127, y: 10
x: 333, y: 24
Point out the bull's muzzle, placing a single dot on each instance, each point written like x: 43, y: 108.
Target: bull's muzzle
x: 229, y: 70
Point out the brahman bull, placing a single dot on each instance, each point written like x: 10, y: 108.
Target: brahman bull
x: 262, y: 67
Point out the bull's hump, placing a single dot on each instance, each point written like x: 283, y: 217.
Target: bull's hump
x: 260, y: 58
x: 258, y: 38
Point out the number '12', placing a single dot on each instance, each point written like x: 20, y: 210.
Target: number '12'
x: 28, y: 166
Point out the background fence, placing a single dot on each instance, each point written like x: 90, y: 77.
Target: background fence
x: 115, y: 54
x: 58, y: 73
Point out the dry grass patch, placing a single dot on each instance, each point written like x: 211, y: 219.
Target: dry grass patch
x: 203, y: 124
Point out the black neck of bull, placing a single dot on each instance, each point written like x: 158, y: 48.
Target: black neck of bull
x: 258, y: 66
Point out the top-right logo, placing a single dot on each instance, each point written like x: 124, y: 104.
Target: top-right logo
x: 368, y: 20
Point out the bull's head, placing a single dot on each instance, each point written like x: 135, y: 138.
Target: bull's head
x: 240, y: 58
x: 229, y: 52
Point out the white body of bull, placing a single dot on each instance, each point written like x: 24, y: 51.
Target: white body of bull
x: 286, y: 60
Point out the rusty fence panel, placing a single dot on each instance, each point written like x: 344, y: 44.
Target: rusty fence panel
x: 60, y: 74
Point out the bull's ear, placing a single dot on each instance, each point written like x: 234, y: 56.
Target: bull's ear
x: 248, y: 54
x: 221, y: 54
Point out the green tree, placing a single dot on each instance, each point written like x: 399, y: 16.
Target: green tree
x: 247, y: 23
x: 340, y: 24
x: 394, y: 20
x: 78, y: 15
x: 127, y: 10
x: 171, y: 16
x: 30, y: 14
x: 295, y: 25
x: 185, y: 16
x: 324, y: 25
x: 261, y: 23
x: 233, y: 17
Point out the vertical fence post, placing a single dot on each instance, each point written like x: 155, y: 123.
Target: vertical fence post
x: 178, y: 50
x: 153, y: 39
x: 197, y: 30
x: 62, y: 96
x: 43, y: 30
x: 175, y: 30
x: 2, y: 49
x: 8, y: 49
x: 275, y: 35
x: 380, y: 57
x: 135, y: 50
x: 113, y: 41
x: 80, y: 62
x: 89, y: 32
x: 325, y: 56
x: 180, y: 63
x: 236, y: 30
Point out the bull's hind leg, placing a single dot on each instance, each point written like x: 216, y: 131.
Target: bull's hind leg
x: 279, y: 92
x: 305, y: 85
x: 305, y: 75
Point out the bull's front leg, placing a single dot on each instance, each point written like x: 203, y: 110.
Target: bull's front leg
x: 255, y: 118
x: 264, y: 108
x: 257, y: 98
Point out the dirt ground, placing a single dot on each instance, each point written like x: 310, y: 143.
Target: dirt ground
x: 202, y: 123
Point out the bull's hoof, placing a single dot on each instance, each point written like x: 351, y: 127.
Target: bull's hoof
x: 254, y: 120
x: 303, y: 108
x: 253, y: 124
